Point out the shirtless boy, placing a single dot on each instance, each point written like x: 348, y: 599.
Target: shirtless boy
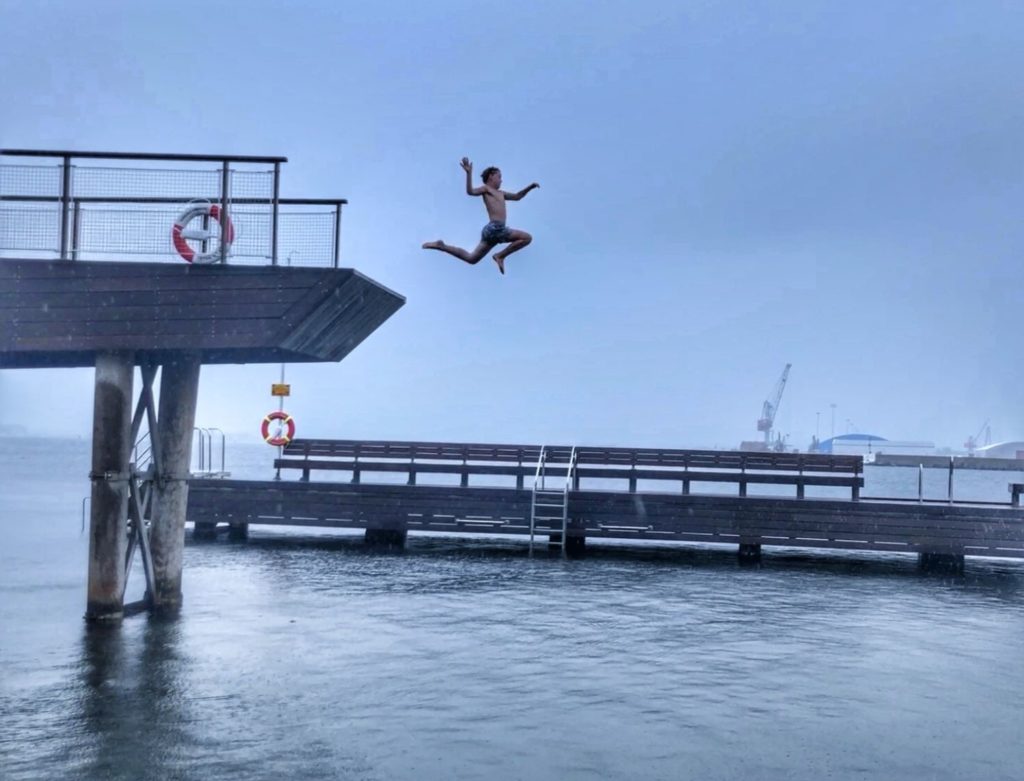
x: 495, y: 232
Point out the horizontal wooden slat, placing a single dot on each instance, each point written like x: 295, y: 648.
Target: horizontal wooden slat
x: 460, y: 468
x: 586, y: 456
x: 19, y: 303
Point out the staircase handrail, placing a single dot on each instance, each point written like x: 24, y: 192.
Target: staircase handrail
x: 570, y: 471
x: 539, y: 474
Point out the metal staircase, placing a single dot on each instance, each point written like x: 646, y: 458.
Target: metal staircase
x: 550, y: 506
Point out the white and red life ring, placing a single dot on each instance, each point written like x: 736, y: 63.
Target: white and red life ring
x: 284, y: 437
x: 180, y: 233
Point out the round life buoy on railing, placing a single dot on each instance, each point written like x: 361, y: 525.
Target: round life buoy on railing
x: 283, y: 438
x: 180, y: 234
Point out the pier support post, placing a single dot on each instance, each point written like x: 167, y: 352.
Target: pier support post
x: 179, y: 389
x: 204, y: 531
x: 238, y: 531
x: 386, y: 538
x: 111, y: 456
x: 941, y: 562
x: 750, y: 552
x: 575, y: 546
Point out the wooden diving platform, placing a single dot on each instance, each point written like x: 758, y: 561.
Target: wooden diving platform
x: 73, y: 293
x: 617, y: 493
x: 63, y: 313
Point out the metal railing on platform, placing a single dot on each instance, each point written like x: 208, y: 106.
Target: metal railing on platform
x: 125, y: 206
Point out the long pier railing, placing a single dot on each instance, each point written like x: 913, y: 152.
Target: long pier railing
x: 113, y: 205
x: 661, y: 467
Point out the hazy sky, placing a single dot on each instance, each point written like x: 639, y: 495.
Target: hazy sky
x: 725, y: 189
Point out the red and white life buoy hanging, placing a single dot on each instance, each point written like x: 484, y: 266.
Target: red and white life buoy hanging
x: 284, y: 437
x: 180, y: 233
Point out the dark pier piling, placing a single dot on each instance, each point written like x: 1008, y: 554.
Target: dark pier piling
x: 111, y: 454
x: 179, y: 390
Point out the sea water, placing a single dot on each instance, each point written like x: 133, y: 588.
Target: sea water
x: 302, y: 654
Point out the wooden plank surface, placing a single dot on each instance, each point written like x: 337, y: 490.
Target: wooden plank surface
x: 864, y: 525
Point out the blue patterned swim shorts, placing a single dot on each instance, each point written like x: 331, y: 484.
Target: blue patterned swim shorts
x: 495, y: 233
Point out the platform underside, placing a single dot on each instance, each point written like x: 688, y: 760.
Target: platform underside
x: 64, y: 313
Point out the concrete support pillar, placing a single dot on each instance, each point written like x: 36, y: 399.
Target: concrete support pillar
x: 179, y: 390
x: 238, y: 531
x: 111, y: 455
x: 750, y: 552
x: 386, y: 538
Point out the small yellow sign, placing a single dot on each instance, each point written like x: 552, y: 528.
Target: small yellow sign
x: 280, y: 389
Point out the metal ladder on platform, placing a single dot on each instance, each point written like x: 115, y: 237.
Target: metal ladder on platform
x: 551, y: 504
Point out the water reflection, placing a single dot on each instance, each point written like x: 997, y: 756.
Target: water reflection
x: 291, y: 558
x: 132, y: 704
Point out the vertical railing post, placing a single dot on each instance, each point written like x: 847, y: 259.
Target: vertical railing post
x: 201, y: 450
x: 65, y: 205
x: 76, y: 226
x: 223, y: 448
x: 337, y: 234
x: 204, y: 245
x: 949, y: 492
x: 225, y: 183
x: 275, y: 214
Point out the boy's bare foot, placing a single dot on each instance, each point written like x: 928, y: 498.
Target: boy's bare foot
x: 433, y: 244
x: 501, y: 263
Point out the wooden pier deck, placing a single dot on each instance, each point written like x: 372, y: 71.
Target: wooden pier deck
x: 620, y: 493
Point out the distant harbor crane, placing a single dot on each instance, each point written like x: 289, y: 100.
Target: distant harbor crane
x: 974, y: 442
x: 771, y: 406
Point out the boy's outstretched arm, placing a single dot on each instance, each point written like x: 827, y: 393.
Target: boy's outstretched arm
x: 521, y: 194
x: 468, y: 168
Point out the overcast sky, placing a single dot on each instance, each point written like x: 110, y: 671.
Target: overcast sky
x: 724, y: 189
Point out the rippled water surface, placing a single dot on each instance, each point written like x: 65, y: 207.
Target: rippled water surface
x: 308, y: 656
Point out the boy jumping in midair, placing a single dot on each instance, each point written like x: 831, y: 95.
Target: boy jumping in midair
x: 495, y: 232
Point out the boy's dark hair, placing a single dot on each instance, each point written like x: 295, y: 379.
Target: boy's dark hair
x: 487, y: 173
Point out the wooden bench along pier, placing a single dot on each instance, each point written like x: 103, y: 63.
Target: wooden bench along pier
x: 568, y: 494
